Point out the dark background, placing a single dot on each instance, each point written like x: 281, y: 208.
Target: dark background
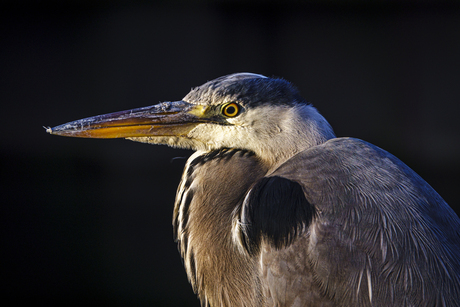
x: 88, y: 222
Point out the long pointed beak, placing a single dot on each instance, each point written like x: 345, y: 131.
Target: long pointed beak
x: 164, y: 119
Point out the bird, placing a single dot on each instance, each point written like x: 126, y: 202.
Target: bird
x: 274, y: 210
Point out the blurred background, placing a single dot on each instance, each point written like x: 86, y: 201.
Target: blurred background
x: 88, y: 222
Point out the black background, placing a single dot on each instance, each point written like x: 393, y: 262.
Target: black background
x: 88, y: 222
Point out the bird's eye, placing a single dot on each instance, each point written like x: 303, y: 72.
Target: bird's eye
x: 231, y: 109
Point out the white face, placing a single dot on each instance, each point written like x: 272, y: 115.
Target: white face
x: 246, y: 130
x: 269, y: 131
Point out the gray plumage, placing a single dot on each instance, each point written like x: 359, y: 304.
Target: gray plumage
x: 274, y: 210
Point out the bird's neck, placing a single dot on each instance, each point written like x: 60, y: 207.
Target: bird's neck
x: 211, y: 192
x: 298, y: 129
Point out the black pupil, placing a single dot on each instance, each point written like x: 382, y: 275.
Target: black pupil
x: 231, y: 110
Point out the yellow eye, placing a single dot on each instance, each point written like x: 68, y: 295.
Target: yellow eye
x: 231, y: 109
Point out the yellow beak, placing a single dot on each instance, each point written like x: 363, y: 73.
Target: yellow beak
x: 164, y: 119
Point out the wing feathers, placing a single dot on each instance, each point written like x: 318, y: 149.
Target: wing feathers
x: 275, y: 209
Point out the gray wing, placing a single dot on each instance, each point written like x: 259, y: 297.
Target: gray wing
x: 377, y: 234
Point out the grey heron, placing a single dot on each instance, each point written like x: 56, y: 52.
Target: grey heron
x: 274, y: 210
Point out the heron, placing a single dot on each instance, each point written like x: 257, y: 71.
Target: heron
x: 274, y: 210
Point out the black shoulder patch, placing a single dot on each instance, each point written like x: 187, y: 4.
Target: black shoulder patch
x: 275, y: 209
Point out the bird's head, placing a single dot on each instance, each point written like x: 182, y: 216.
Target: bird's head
x: 243, y: 110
